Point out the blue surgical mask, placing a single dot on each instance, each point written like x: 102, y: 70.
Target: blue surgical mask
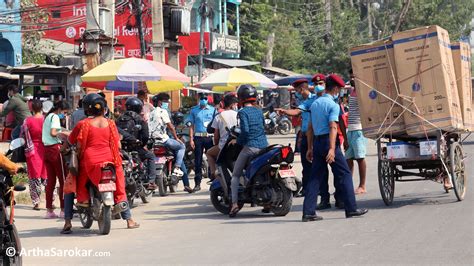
x: 319, y: 88
x: 165, y: 105
x: 61, y: 116
x: 336, y: 97
x: 298, y: 96
x: 203, y: 102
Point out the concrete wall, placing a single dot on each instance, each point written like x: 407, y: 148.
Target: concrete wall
x: 10, y: 35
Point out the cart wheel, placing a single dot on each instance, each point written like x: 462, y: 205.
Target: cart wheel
x: 386, y: 182
x: 457, y: 168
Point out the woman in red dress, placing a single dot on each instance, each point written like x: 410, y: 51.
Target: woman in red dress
x: 98, y: 142
x: 34, y: 151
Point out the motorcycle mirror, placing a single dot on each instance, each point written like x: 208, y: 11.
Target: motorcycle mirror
x: 17, y: 143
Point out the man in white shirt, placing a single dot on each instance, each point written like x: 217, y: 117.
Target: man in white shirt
x: 158, y: 124
x: 222, y: 124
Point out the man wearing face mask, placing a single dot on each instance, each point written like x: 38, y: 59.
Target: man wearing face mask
x: 303, y: 110
x: 159, y: 121
x: 324, y: 149
x: 318, y: 81
x: 16, y: 104
x: 200, y: 117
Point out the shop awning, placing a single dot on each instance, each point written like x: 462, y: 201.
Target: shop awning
x: 232, y: 62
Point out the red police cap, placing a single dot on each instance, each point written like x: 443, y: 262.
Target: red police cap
x: 336, y: 80
x: 298, y: 82
x: 318, y: 78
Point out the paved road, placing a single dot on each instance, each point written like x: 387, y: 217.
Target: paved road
x: 424, y: 226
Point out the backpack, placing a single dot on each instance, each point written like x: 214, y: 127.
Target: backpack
x: 128, y: 122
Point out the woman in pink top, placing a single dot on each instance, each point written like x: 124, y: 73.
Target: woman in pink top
x: 34, y: 150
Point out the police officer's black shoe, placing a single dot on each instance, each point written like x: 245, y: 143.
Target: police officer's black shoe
x: 358, y: 212
x: 197, y: 188
x: 323, y: 206
x: 311, y: 218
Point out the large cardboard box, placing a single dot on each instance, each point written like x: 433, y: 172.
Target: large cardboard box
x: 426, y: 72
x: 462, y: 67
x: 375, y: 76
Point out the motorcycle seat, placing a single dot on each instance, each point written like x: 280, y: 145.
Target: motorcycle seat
x: 263, y: 151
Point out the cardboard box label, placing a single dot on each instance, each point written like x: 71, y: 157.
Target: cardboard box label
x: 401, y: 150
x: 429, y: 147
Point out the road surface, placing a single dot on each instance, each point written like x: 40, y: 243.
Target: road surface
x: 425, y: 225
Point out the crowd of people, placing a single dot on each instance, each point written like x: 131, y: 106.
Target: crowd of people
x: 326, y: 131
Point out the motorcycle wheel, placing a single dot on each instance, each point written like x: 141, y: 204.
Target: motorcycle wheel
x: 105, y: 220
x: 173, y: 188
x: 145, y: 195
x: 284, y: 207
x: 16, y: 259
x: 284, y: 127
x: 86, y: 219
x: 160, y: 183
x: 219, y: 203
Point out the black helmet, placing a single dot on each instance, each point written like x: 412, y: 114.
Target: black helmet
x: 93, y: 104
x: 247, y: 93
x: 230, y: 98
x: 134, y: 104
x: 178, y: 118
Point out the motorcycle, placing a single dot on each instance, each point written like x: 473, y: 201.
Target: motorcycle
x: 9, y: 233
x: 101, y: 201
x: 134, y: 171
x: 282, y: 123
x: 164, y: 160
x: 269, y: 179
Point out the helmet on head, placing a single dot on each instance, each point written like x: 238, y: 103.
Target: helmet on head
x: 93, y: 104
x: 134, y: 104
x: 247, y: 93
x: 177, y: 117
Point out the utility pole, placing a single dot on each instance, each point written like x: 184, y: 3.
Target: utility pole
x: 369, y: 20
x: 138, y: 7
x: 92, y: 34
x: 107, y: 51
x: 327, y: 9
x: 204, y: 12
x: 158, y: 31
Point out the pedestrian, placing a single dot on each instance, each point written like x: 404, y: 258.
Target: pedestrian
x: 200, y: 140
x: 223, y: 123
x: 34, y: 151
x: 99, y: 142
x: 77, y: 115
x: 252, y: 138
x: 54, y: 161
x: 158, y: 124
x: 17, y: 104
x: 147, y: 107
x: 355, y: 143
x: 304, y: 110
x: 324, y: 149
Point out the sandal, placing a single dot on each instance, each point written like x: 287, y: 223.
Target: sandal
x: 67, y: 230
x: 233, y: 212
x: 36, y: 207
x: 133, y: 226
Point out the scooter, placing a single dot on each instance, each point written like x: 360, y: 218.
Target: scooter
x: 101, y: 201
x: 269, y: 179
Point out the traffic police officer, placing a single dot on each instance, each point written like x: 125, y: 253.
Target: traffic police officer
x: 318, y: 80
x: 324, y: 149
x: 200, y: 117
x: 304, y: 110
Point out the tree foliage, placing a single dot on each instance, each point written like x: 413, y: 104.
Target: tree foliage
x: 303, y: 44
x: 31, y: 50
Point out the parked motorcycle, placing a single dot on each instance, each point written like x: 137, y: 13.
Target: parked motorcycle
x: 269, y: 179
x: 135, y: 175
x: 282, y: 123
x: 101, y: 201
x: 9, y: 233
x: 164, y: 160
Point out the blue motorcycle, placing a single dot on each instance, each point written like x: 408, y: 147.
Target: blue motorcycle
x: 268, y: 180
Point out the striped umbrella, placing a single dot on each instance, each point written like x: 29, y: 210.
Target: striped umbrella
x: 228, y: 79
x: 130, y: 74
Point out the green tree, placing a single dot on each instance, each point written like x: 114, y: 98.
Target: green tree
x: 32, y: 19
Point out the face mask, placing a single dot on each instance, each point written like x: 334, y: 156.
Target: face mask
x: 298, y: 96
x: 203, y: 102
x: 61, y: 116
x: 336, y: 97
x: 165, y: 105
x: 319, y: 88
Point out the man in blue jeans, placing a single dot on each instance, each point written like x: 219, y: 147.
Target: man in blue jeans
x: 200, y: 117
x: 159, y: 122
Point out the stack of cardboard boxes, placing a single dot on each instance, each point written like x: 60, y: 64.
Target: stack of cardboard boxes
x: 420, y: 70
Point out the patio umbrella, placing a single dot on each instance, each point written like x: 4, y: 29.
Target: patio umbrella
x: 131, y: 74
x: 228, y: 79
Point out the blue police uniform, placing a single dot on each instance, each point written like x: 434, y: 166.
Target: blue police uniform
x: 200, y: 118
x: 305, y: 118
x: 323, y: 111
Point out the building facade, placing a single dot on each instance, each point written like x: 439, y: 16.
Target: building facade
x: 10, y: 32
